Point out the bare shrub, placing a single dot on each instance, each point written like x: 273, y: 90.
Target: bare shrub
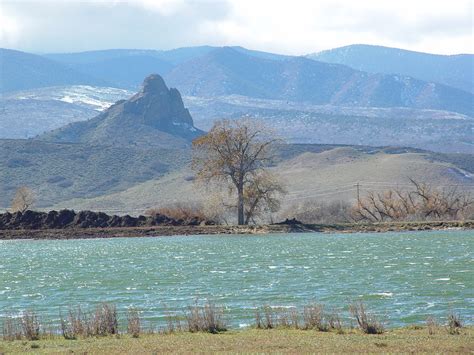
x: 133, y: 323
x: 173, y: 323
x: 454, y: 323
x: 368, y: 323
x: 258, y: 319
x: 187, y: 212
x: 335, y: 322
x: 30, y: 325
x: 432, y: 325
x: 273, y: 318
x: 294, y: 317
x: 313, y: 316
x: 66, y: 329
x: 325, y: 212
x: 11, y: 328
x: 421, y: 202
x: 269, y: 318
x: 24, y: 199
x: 105, y: 320
x: 287, y: 318
x: 207, y: 318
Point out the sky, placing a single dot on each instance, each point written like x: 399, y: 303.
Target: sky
x: 289, y: 27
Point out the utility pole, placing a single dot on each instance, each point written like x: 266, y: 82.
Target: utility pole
x: 358, y: 193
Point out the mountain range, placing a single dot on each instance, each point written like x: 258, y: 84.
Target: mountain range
x: 225, y: 71
x: 210, y: 71
x: 452, y: 70
x: 306, y: 101
x: 138, y: 149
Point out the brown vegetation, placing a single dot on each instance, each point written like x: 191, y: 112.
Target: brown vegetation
x: 367, y: 322
x: 207, y: 318
x: 133, y: 323
x: 188, y: 213
x: 454, y: 323
x: 422, y: 202
x: 23, y: 200
x: 103, y: 321
x: 320, y: 212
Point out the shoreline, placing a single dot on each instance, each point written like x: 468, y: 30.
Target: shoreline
x: 285, y: 227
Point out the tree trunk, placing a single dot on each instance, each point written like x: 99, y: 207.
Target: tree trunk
x: 240, y: 205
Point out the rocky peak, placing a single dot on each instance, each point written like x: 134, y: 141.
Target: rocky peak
x: 157, y: 106
x: 155, y: 116
x: 154, y: 84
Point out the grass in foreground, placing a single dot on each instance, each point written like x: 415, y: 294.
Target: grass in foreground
x: 412, y: 339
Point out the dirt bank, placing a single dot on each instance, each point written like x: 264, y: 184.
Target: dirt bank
x: 168, y: 230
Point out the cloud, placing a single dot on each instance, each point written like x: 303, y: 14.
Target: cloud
x: 293, y: 27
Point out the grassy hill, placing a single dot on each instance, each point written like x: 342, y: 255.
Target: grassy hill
x: 310, y: 172
x: 58, y: 172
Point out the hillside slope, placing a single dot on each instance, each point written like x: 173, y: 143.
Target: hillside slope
x: 27, y: 113
x: 310, y: 172
x: 452, y: 70
x: 57, y: 172
x: 297, y: 122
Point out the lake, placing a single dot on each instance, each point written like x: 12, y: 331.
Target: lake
x: 402, y: 277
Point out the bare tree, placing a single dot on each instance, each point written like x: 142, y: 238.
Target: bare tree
x: 24, y: 199
x: 423, y: 202
x: 262, y: 196
x: 236, y: 154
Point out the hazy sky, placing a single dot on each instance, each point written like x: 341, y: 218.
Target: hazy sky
x: 293, y: 26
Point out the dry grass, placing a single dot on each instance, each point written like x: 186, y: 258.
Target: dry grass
x: 321, y: 212
x: 26, y: 326
x: 11, y: 329
x: 187, y: 212
x: 257, y: 341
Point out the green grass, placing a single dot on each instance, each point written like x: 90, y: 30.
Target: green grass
x: 412, y: 339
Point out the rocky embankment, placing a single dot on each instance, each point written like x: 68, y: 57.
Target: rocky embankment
x: 69, y: 219
x: 67, y: 224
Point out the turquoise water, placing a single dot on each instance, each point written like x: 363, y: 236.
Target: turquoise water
x: 403, y: 277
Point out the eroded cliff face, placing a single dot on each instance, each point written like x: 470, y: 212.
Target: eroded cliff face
x: 159, y: 107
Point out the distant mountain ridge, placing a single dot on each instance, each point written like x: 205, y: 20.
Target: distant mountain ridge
x: 155, y: 116
x: 20, y: 71
x: 226, y: 71
x: 453, y: 70
x: 213, y: 71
